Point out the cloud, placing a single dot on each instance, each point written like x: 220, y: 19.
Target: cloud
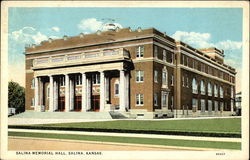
x: 93, y: 25
x: 201, y: 40
x: 27, y: 35
x: 56, y: 29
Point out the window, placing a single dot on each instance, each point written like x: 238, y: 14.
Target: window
x: 203, y: 105
x: 183, y: 59
x: 215, y: 91
x: 172, y: 58
x: 164, y: 56
x: 62, y: 81
x: 78, y: 80
x: 187, y: 81
x: 139, y: 99
x: 221, y: 75
x: 209, y: 89
x: 156, y: 76
x: 203, y: 90
x: 155, y: 51
x: 221, y: 106
x: 221, y: 92
x: 156, y: 99
x: 172, y: 102
x: 209, y: 106
x: 172, y: 80
x: 139, y: 51
x: 116, y: 88
x: 164, y: 78
x: 96, y: 78
x: 194, y: 86
x: 164, y: 99
x: 216, y: 109
x: 187, y: 61
x: 139, y: 76
x: 33, y: 83
x: 193, y: 64
x: 194, y: 104
x: 183, y: 81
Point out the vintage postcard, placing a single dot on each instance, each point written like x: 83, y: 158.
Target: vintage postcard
x: 125, y: 80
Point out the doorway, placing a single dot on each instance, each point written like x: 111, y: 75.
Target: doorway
x: 96, y: 103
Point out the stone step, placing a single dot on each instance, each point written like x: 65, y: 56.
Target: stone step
x: 64, y: 115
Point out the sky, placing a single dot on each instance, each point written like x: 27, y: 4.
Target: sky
x: 198, y: 27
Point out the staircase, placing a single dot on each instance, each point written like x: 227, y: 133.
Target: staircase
x: 117, y: 115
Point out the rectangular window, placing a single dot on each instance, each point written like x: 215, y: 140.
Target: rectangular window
x: 156, y: 76
x: 210, y: 106
x: 164, y: 99
x: 202, y: 105
x: 139, y: 76
x: 172, y: 102
x: 155, y: 51
x: 164, y: 56
x: 96, y: 78
x: 216, y: 109
x: 32, y: 102
x: 172, y: 80
x: 172, y: 58
x: 194, y: 104
x: 116, y: 89
x: 139, y: 99
x: 183, y: 59
x: 156, y: 99
x: 187, y: 61
x: 62, y: 81
x: 187, y: 82
x: 139, y: 51
x: 78, y: 80
x: 183, y: 81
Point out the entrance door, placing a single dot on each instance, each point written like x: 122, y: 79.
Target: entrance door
x: 78, y: 103
x: 61, y: 104
x: 96, y: 103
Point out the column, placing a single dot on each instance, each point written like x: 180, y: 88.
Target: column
x: 106, y: 89
x: 36, y: 93
x: 84, y: 92
x: 88, y: 100
x: 41, y: 93
x: 127, y: 91
x: 55, y: 95
x: 51, y: 93
x: 71, y: 91
x: 122, y: 90
x: 102, y: 91
x: 66, y: 93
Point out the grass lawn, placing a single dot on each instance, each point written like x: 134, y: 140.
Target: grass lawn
x: 149, y: 141
x: 219, y: 125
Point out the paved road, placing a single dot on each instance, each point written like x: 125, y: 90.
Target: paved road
x: 20, y: 143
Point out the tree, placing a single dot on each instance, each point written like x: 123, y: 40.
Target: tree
x: 16, y: 96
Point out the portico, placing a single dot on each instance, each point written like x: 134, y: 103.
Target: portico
x: 89, y: 90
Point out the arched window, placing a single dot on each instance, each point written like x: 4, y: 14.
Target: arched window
x: 215, y: 91
x: 221, y: 92
x: 209, y: 89
x: 203, y: 90
x: 194, y: 86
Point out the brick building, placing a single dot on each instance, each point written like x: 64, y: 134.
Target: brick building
x: 141, y: 73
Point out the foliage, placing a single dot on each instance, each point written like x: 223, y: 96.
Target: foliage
x: 16, y: 96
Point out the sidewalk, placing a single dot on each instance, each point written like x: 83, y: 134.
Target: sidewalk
x: 217, y: 139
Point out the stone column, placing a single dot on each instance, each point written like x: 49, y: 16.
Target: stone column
x: 102, y: 91
x: 127, y: 91
x: 51, y: 93
x: 122, y: 91
x: 55, y: 95
x: 88, y: 99
x: 36, y: 93
x: 41, y: 92
x: 71, y: 91
x: 106, y: 89
x: 84, y: 92
x: 66, y: 93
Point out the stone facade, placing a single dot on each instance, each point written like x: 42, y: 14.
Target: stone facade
x: 141, y: 73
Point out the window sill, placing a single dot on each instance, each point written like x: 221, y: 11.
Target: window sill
x: 139, y: 105
x: 139, y: 81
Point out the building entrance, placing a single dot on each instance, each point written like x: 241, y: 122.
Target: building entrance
x: 61, y: 104
x: 78, y: 103
x: 96, y: 103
